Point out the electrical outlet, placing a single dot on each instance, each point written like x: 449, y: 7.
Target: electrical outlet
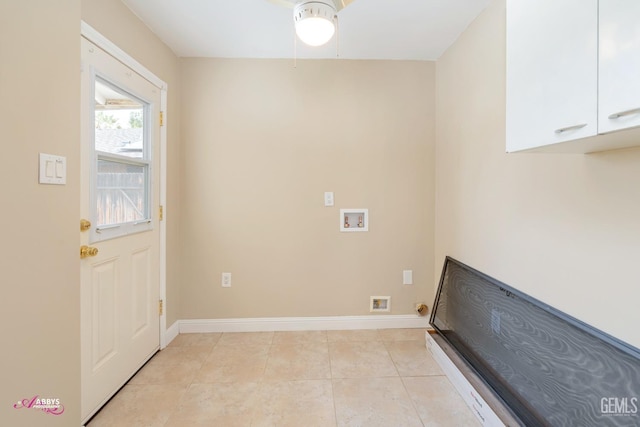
x: 226, y: 280
x: 328, y: 198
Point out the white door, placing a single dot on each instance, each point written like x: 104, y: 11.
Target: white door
x: 120, y: 198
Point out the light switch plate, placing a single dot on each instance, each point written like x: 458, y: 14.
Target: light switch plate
x: 53, y: 169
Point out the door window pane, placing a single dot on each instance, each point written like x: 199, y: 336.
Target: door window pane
x: 121, y: 192
x: 119, y: 122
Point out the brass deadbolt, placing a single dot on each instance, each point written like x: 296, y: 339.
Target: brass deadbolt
x: 85, y: 225
x: 87, y: 251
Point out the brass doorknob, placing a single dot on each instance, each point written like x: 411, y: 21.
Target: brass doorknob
x: 85, y: 225
x: 87, y: 251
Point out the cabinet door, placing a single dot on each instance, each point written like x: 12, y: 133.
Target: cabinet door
x: 619, y: 73
x: 552, y: 65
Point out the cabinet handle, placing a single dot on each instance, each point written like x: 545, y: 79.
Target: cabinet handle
x: 624, y: 113
x: 568, y: 128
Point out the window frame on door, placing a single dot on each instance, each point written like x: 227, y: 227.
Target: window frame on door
x: 102, y: 232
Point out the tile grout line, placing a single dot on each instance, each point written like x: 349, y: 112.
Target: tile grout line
x: 404, y: 386
x: 186, y: 389
x: 333, y: 394
x: 413, y: 403
x: 395, y: 366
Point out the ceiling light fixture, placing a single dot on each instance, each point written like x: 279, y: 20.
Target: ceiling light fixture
x: 315, y: 21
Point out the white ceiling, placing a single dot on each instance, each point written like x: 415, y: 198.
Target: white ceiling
x: 368, y: 29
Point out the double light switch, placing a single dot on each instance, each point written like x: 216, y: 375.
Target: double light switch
x: 53, y: 169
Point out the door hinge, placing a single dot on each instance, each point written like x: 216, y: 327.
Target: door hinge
x: 160, y: 308
x: 161, y: 118
x: 161, y: 213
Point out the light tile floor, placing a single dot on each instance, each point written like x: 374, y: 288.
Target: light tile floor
x: 363, y: 378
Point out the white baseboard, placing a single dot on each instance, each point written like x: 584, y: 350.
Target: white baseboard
x: 172, y: 332
x: 302, y: 323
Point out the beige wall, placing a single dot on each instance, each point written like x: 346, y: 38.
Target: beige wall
x: 262, y: 142
x: 39, y: 112
x: 562, y: 228
x: 116, y: 22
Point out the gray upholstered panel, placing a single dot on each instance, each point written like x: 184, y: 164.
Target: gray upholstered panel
x: 549, y: 368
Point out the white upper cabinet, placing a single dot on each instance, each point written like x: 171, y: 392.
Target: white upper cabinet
x: 619, y: 65
x: 573, y: 70
x: 552, y: 73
